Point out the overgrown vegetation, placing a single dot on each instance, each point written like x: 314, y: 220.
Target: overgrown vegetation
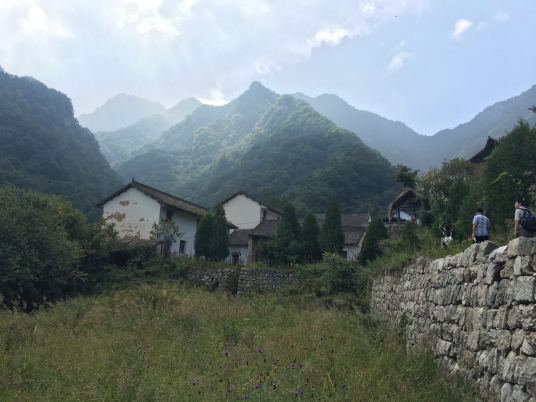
x: 211, y: 237
x: 168, y: 343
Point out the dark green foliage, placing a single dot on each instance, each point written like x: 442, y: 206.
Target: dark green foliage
x: 310, y: 232
x: 219, y: 241
x: 333, y: 275
x: 453, y: 195
x: 203, y: 236
x: 165, y: 233
x: 42, y: 146
x: 375, y: 233
x: 509, y: 173
x: 408, y: 237
x: 406, y: 176
x: 331, y: 237
x: 286, y: 247
x: 47, y: 250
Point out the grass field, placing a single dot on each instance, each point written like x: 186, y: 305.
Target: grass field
x: 173, y: 343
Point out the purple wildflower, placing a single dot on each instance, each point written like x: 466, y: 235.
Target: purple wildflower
x: 258, y: 385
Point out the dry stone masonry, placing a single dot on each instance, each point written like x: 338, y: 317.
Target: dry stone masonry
x: 240, y: 280
x: 477, y: 309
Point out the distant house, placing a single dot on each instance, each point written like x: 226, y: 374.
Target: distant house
x: 136, y: 207
x: 353, y: 228
x: 404, y: 207
x: 481, y: 156
x: 249, y: 216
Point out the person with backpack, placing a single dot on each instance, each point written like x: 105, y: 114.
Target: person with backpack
x: 480, y: 226
x: 524, y: 221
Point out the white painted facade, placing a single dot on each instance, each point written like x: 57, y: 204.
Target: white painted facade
x: 134, y: 213
x: 352, y: 252
x: 246, y: 213
x: 243, y: 212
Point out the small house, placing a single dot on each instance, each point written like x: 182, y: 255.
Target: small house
x: 404, y: 207
x: 136, y: 207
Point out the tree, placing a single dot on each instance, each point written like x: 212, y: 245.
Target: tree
x: 509, y: 172
x: 203, y: 236
x: 219, y: 242
x: 370, y: 248
x: 310, y: 231
x: 166, y: 232
x: 331, y: 237
x: 286, y: 247
x: 406, y: 176
x: 40, y: 248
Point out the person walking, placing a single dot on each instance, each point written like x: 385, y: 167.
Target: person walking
x: 481, y: 226
x: 523, y: 221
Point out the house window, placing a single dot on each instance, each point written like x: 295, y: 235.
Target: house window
x: 182, y: 247
x: 169, y: 214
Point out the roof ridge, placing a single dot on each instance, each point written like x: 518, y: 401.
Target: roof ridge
x: 169, y: 195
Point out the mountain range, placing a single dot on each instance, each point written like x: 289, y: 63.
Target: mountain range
x: 42, y: 146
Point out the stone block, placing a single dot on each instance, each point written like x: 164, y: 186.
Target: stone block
x: 506, y: 392
x: 493, y: 271
x: 528, y: 347
x: 507, y: 367
x: 518, y: 395
x: 472, y: 341
x: 499, y: 255
x: 492, y: 296
x: 504, y: 340
x: 517, y: 339
x: 521, y: 246
x: 495, y: 386
x: 443, y: 348
x: 493, y: 361
x: 524, y: 288
x: 485, y: 249
x: 507, y: 271
x: 523, y: 266
x: 514, y: 318
x: 525, y: 370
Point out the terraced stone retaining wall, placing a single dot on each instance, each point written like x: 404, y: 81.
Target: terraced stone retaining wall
x: 477, y: 310
x: 240, y: 280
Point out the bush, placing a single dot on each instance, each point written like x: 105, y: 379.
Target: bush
x: 47, y: 250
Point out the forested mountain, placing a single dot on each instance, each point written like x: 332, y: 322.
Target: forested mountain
x: 42, y: 146
x: 396, y: 141
x: 120, y: 111
x: 495, y: 121
x: 400, y: 144
x: 124, y: 143
x: 274, y: 147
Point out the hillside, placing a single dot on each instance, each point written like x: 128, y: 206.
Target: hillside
x: 277, y: 148
x: 124, y: 143
x: 400, y: 144
x: 120, y: 111
x: 393, y: 139
x: 42, y: 146
x: 169, y: 343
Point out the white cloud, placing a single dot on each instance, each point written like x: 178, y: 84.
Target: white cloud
x: 168, y: 49
x: 216, y: 98
x: 399, y: 60
x: 461, y: 26
x: 329, y: 36
x: 40, y: 24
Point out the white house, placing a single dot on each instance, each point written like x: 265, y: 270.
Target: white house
x: 136, y: 207
x: 246, y: 213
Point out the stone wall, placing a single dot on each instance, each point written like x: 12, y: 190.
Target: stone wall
x: 239, y: 280
x: 476, y: 310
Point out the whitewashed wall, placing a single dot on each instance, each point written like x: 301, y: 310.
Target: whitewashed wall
x: 188, y: 226
x: 133, y: 214
x: 243, y: 212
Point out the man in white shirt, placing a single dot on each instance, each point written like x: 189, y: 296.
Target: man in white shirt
x: 519, y: 230
x: 480, y: 226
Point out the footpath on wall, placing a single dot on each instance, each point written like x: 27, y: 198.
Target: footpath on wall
x: 476, y: 309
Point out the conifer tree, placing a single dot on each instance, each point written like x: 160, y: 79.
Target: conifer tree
x: 310, y: 231
x: 331, y: 237
x: 219, y: 243
x: 370, y: 248
x: 203, y: 236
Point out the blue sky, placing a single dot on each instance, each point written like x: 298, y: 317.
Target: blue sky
x: 431, y: 64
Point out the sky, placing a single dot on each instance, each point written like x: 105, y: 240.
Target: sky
x: 432, y: 64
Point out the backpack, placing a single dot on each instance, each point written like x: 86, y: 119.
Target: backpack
x: 528, y: 221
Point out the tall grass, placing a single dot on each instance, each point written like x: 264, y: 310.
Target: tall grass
x: 170, y: 343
